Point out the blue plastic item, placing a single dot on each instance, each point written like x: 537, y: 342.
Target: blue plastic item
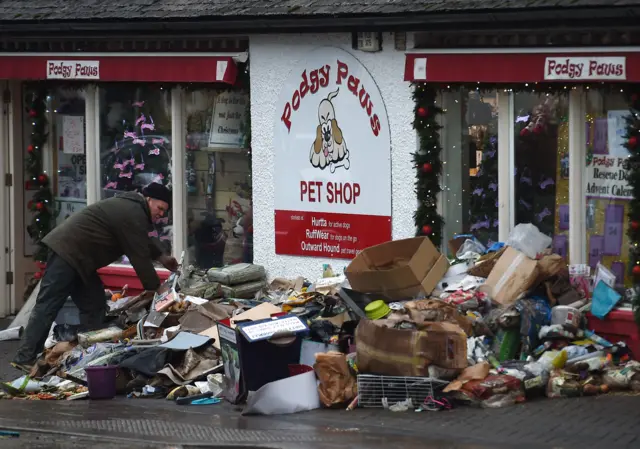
x: 497, y: 246
x: 604, y: 300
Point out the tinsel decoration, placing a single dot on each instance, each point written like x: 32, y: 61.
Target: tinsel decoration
x: 427, y: 162
x: 632, y: 136
x: 42, y: 203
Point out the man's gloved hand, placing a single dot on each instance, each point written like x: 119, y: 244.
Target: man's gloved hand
x: 170, y: 263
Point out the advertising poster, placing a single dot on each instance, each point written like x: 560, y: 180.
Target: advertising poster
x: 332, y: 149
x: 608, y: 171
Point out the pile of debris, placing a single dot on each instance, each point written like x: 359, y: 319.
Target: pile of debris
x: 402, y: 328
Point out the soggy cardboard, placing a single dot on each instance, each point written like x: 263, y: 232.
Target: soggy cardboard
x: 384, y: 350
x: 399, y: 269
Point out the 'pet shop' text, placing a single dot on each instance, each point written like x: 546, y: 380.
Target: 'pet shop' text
x: 317, y: 78
x: 336, y: 192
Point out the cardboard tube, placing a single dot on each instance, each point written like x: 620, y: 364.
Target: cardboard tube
x: 13, y: 333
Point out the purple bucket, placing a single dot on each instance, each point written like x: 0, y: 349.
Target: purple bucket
x: 102, y: 381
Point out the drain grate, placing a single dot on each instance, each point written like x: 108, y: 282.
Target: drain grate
x: 183, y: 432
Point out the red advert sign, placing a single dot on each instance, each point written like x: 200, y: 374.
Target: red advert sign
x: 324, y: 234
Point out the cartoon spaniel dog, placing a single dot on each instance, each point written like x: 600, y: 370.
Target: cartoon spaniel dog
x: 329, y: 148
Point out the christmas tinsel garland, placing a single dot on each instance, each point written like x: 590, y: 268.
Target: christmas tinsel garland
x: 42, y: 203
x: 427, y: 162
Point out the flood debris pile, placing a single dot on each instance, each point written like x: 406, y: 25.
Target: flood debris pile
x: 402, y: 328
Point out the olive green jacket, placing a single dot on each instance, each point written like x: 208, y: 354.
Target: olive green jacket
x: 101, y: 233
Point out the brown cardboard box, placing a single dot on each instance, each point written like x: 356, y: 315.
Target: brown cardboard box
x: 400, y: 352
x: 399, y: 269
x: 513, y: 274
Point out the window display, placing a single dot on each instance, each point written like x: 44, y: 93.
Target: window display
x: 218, y: 178
x: 70, y: 190
x: 470, y: 165
x: 135, y: 143
x: 607, y: 188
x: 542, y: 165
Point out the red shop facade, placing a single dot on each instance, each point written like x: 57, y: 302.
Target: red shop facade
x: 79, y: 127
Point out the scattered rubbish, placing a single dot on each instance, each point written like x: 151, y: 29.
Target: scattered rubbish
x: 403, y: 329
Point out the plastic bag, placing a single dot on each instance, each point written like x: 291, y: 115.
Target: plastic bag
x: 470, y: 249
x: 528, y: 239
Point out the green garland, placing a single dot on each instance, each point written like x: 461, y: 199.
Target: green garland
x: 632, y: 144
x: 42, y: 203
x: 427, y: 162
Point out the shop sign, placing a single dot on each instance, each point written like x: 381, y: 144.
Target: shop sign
x: 73, y: 70
x: 332, y: 168
x: 580, y: 68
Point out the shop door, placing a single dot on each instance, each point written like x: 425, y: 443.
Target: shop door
x: 6, y: 280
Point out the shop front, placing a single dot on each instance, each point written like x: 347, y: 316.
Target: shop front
x: 542, y: 136
x: 83, y: 127
x: 332, y: 147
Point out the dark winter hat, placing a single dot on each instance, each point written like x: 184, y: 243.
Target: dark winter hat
x: 157, y: 192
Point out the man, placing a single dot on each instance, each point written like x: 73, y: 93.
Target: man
x: 85, y: 242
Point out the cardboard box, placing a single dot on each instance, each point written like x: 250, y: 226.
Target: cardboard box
x: 401, y: 352
x: 513, y: 274
x: 400, y: 269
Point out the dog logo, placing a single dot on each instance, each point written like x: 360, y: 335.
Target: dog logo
x: 329, y: 148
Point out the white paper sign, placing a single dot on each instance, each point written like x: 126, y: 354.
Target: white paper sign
x: 228, y: 121
x: 585, y: 68
x: 267, y: 329
x: 73, y: 134
x: 74, y: 70
x: 607, y: 177
x: 68, y: 208
x: 616, y: 130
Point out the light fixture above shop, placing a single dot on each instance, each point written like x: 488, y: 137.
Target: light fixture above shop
x: 368, y: 41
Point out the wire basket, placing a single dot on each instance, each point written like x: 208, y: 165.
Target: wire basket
x: 383, y: 391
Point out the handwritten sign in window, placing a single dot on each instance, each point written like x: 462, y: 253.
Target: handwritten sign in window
x: 229, y: 120
x: 73, y: 134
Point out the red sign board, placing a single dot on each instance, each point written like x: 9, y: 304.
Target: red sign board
x: 325, y: 234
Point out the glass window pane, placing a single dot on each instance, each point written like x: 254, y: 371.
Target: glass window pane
x: 470, y: 169
x: 607, y: 192
x: 70, y: 187
x: 218, y: 178
x: 135, y: 143
x: 542, y: 165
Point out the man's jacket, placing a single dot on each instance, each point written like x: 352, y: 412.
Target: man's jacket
x: 101, y: 233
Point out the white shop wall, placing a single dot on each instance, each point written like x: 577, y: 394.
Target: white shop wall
x: 273, y: 57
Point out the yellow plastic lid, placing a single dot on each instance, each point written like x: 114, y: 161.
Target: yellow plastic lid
x: 377, y: 309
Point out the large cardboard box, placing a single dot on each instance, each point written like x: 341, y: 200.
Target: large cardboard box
x: 513, y: 274
x: 399, y: 269
x: 387, y: 351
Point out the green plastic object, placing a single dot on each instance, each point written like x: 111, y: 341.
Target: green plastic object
x: 376, y: 310
x: 509, y: 343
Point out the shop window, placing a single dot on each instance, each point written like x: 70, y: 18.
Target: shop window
x: 541, y: 165
x: 62, y: 156
x: 68, y: 132
x: 607, y: 191
x: 135, y: 144
x: 470, y: 165
x: 218, y: 178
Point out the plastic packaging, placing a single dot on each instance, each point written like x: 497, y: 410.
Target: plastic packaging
x: 528, y: 239
x: 471, y: 249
